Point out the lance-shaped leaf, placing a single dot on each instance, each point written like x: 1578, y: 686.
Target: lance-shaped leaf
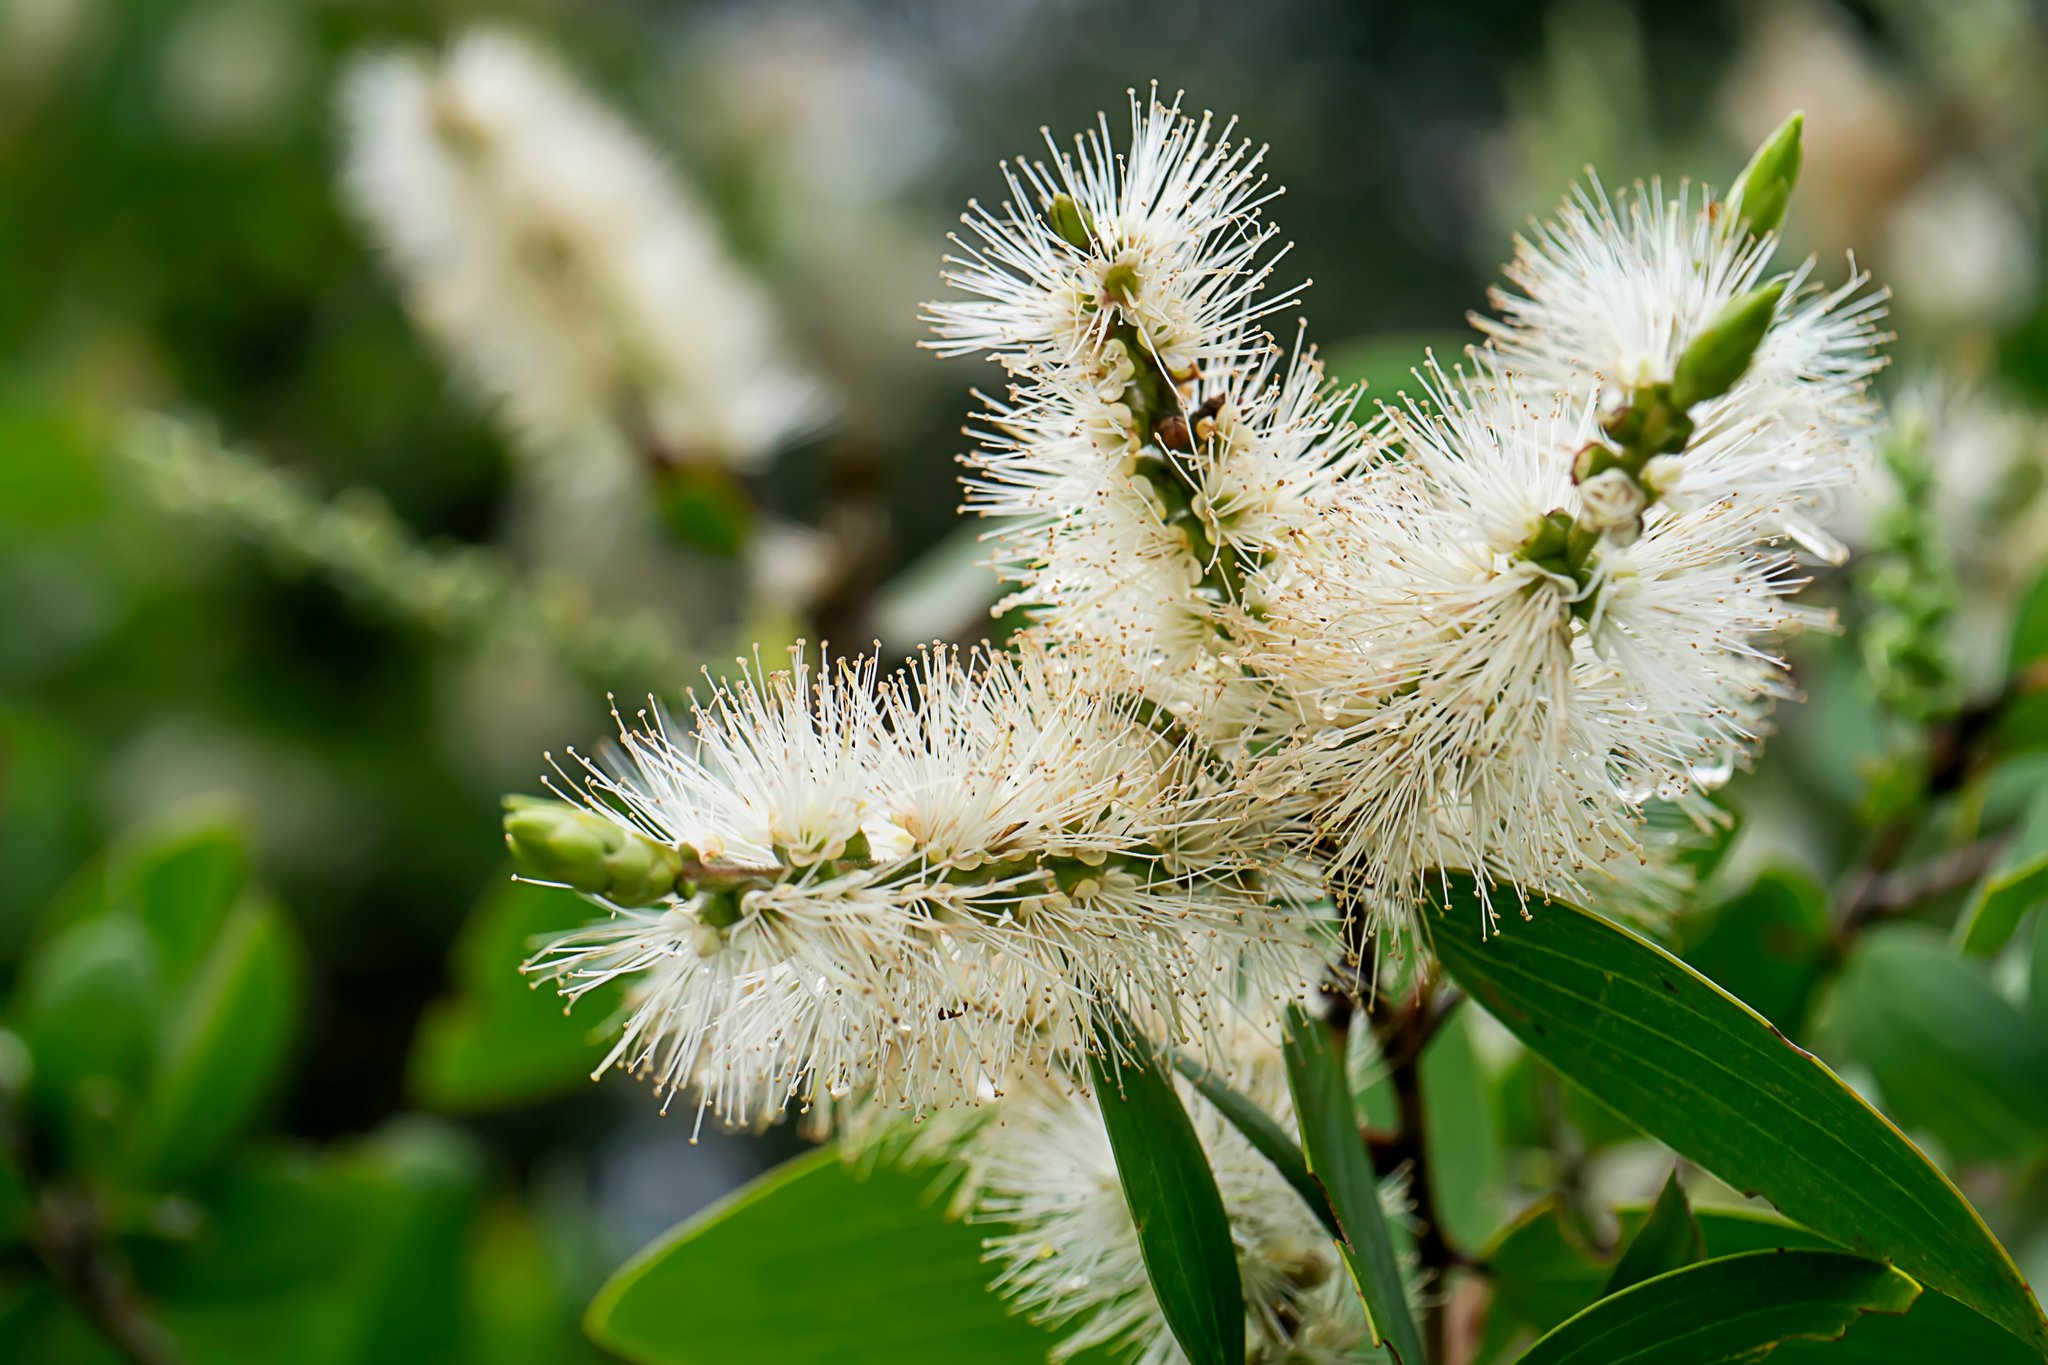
x: 1669, y: 1239
x: 1341, y: 1165
x: 1263, y: 1131
x: 1541, y: 1276
x: 1728, y: 1312
x: 1183, y: 1229
x: 1702, y: 1072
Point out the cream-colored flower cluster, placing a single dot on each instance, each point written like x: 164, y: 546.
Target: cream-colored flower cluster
x: 1285, y: 664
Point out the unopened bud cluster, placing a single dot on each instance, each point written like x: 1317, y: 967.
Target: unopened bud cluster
x: 1909, y: 583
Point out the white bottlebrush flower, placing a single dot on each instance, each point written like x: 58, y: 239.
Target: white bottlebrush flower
x: 1161, y: 244
x: 1156, y: 555
x: 554, y: 257
x: 1476, y: 701
x: 1156, y: 452
x: 1042, y: 1166
x: 904, y: 888
x: 1608, y: 295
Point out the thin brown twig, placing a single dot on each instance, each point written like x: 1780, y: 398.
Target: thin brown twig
x: 66, y: 1234
x: 1403, y: 1032
x: 1903, y: 890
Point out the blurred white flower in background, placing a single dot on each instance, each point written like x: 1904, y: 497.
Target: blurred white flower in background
x: 819, y: 129
x: 1961, y: 251
x: 564, y: 269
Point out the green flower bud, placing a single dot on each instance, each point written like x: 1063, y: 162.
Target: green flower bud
x: 557, y: 842
x: 1548, y: 545
x: 1765, y: 186
x: 1721, y: 352
x: 1593, y: 460
x: 1072, y: 222
x: 1120, y: 283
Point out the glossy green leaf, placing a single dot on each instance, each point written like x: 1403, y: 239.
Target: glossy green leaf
x: 1341, y: 1165
x: 2016, y: 885
x: 1936, y: 1328
x: 1768, y: 946
x: 1542, y: 1275
x: 1950, y: 1054
x: 225, y: 1044
x: 1542, y: 1272
x: 498, y: 1041
x: 813, y: 1263
x: 1183, y: 1229
x: 1669, y: 1239
x: 1730, y: 1311
x: 1265, y: 1134
x: 1703, y: 1073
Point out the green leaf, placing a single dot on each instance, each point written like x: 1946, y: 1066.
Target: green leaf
x: 813, y: 1263
x: 1183, y: 1229
x: 1768, y: 946
x: 1669, y: 1239
x: 84, y: 1008
x: 1951, y: 1055
x: 1265, y: 1134
x: 2009, y: 890
x: 178, y: 876
x: 498, y: 1042
x: 181, y: 882
x: 1729, y: 1311
x: 1542, y: 1275
x: 1462, y: 1132
x: 1700, y: 1071
x: 1936, y: 1328
x: 226, y: 1043
x: 1341, y: 1165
